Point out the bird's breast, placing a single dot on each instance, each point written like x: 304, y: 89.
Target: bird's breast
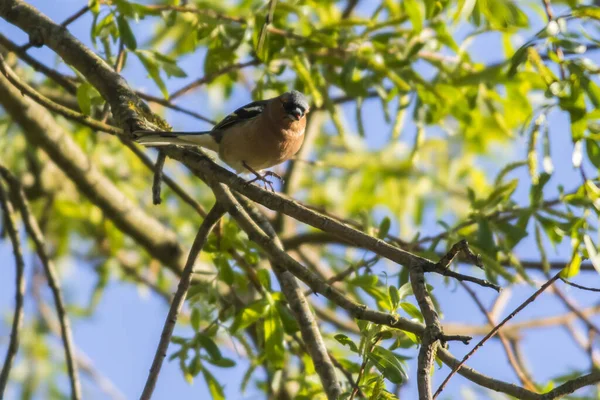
x: 259, y: 147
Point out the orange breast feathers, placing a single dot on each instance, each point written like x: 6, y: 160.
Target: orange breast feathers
x: 264, y: 141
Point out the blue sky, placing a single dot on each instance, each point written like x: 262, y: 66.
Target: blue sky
x: 122, y: 335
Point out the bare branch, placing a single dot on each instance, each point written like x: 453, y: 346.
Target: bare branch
x: 83, y: 361
x: 158, y: 177
x: 525, y: 381
x: 65, y: 23
x: 124, y: 104
x: 289, y: 286
x: 431, y: 336
x: 578, y: 286
x: 41, y: 130
x: 573, y: 307
x: 37, y: 236
x: 495, y: 330
x: 66, y: 82
x: 57, y: 108
x: 213, y: 216
x: 13, y: 344
x: 211, y: 77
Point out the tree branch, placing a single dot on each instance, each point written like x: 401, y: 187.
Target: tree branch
x: 525, y: 381
x: 124, y: 104
x: 36, y: 235
x: 41, y: 130
x: 13, y: 345
x: 496, y: 329
x: 213, y: 216
x: 52, y: 106
x: 289, y: 286
x: 431, y: 336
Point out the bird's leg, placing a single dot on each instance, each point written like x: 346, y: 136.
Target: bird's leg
x: 262, y: 177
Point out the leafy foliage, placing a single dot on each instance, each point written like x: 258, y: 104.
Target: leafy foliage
x: 419, y: 142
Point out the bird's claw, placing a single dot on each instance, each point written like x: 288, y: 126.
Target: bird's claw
x: 264, y: 178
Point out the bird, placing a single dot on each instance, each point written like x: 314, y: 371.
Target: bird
x: 254, y: 137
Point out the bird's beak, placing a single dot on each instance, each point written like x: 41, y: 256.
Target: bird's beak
x: 296, y: 114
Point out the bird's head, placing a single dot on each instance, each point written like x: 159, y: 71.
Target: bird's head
x: 295, y: 105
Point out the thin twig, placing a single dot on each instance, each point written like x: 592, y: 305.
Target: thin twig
x: 174, y: 186
x: 350, y: 6
x: 158, y: 177
x: 578, y: 286
x: 495, y: 330
x: 363, y: 367
x: 574, y: 308
x: 13, y: 345
x: 65, y: 81
x: 559, y: 52
x: 49, y: 104
x: 83, y: 361
x: 442, y: 266
x: 525, y: 381
x: 213, y: 216
x: 36, y: 235
x: 211, y: 77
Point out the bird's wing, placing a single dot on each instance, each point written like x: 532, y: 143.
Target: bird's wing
x: 249, y: 111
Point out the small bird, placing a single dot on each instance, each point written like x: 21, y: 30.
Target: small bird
x: 254, y: 137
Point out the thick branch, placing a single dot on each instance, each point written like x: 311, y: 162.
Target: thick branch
x: 289, y: 286
x: 430, y: 338
x: 123, y: 102
x: 41, y: 130
x: 213, y: 216
x: 52, y: 106
x: 13, y: 345
x: 205, y: 168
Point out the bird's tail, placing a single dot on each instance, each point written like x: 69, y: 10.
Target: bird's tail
x: 153, y: 138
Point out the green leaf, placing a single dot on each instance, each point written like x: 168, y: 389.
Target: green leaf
x: 209, y: 345
x: 536, y: 192
x: 195, y: 319
x: 485, y: 237
x: 513, y: 234
x: 412, y: 310
x: 222, y: 362
x: 273, y: 331
x: 346, y: 341
x: 592, y: 12
x: 302, y: 68
x: 149, y: 62
x: 290, y: 325
x: 384, y: 228
x: 84, y: 98
x: 214, y: 387
x: 265, y: 278
x: 394, y: 297
x: 501, y: 194
x: 94, y: 6
x: 126, y: 33
x: 552, y: 230
x: 592, y: 252
x: 572, y: 268
x: 389, y: 364
x: 593, y: 151
x: 413, y: 10
x: 249, y: 315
